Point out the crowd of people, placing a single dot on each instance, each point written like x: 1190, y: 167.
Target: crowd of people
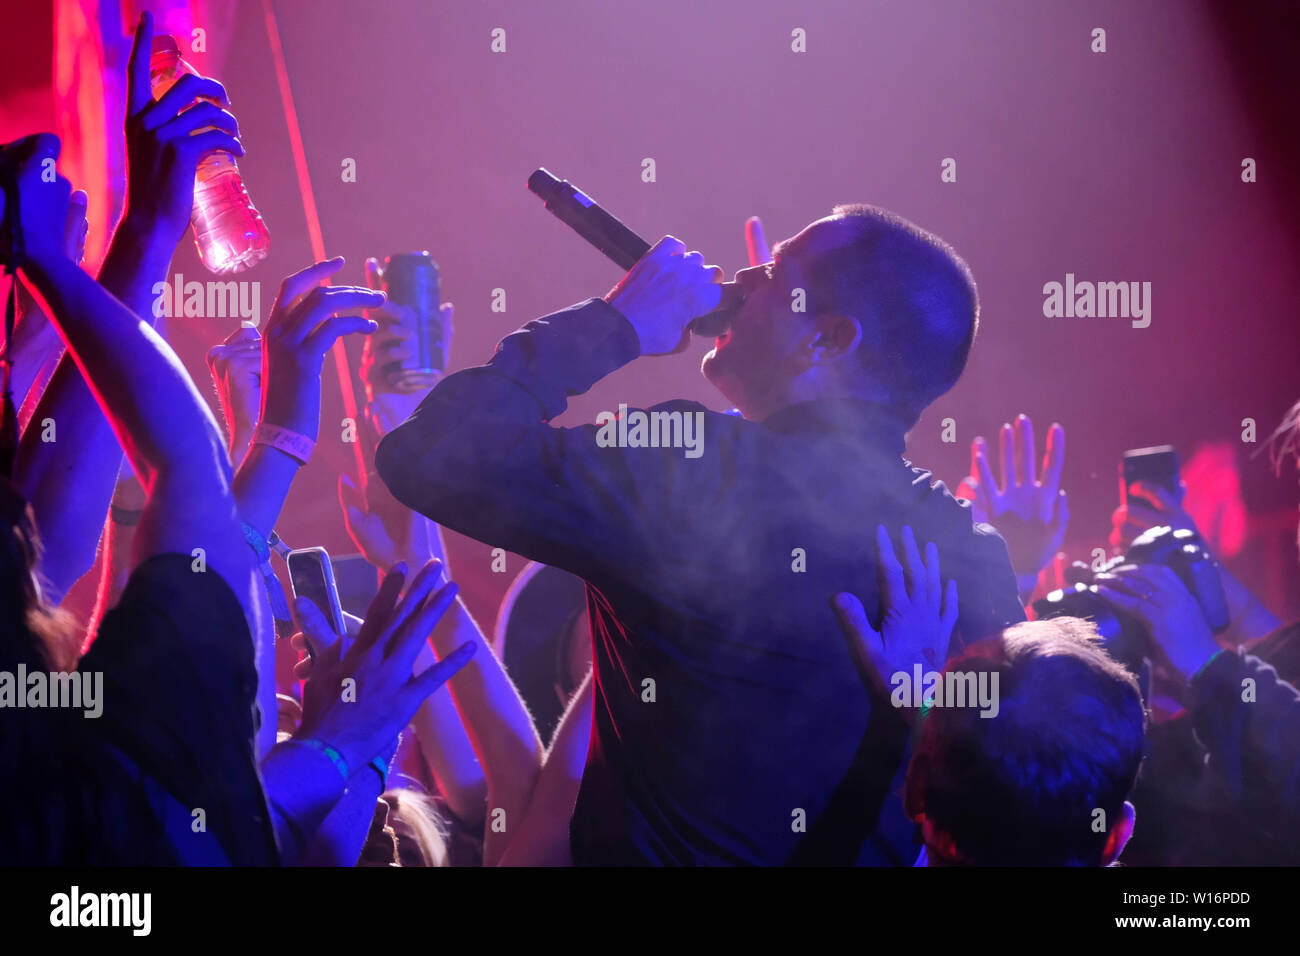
x: 794, y: 649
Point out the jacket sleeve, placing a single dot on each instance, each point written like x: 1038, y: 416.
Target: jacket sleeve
x: 479, y: 455
x: 1249, y: 721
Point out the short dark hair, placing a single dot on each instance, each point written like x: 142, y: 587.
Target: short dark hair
x: 1022, y: 788
x: 914, y: 296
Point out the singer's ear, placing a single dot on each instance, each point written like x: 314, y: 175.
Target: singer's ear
x: 834, y: 335
x: 374, y: 275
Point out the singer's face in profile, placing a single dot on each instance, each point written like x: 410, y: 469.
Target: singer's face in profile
x: 754, y: 363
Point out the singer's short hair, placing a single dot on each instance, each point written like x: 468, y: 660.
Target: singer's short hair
x: 914, y: 296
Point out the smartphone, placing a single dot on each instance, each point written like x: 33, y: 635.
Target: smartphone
x: 1151, y: 466
x: 312, y: 576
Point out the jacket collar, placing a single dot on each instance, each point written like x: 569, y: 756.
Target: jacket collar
x: 880, y: 425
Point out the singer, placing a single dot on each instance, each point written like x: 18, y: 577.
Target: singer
x: 709, y: 578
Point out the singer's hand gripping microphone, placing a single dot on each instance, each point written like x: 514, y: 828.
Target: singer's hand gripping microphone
x: 620, y: 244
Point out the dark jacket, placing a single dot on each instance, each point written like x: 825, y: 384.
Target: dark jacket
x: 727, y: 708
x: 1221, y: 784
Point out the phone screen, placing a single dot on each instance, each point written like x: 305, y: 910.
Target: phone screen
x: 312, y: 578
x: 1152, y: 466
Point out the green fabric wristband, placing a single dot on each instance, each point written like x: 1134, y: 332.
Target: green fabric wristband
x: 336, y: 758
x: 382, y: 769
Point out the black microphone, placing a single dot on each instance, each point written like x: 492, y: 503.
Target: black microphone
x: 620, y: 244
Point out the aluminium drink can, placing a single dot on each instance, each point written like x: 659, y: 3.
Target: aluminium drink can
x: 411, y: 279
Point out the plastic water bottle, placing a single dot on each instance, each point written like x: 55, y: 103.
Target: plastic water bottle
x: 228, y: 229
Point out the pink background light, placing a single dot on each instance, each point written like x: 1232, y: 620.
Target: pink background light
x: 1122, y: 166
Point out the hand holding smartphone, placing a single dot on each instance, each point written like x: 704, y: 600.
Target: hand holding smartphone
x: 312, y: 576
x: 1156, y: 466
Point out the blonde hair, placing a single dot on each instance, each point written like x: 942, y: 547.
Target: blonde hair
x: 421, y: 835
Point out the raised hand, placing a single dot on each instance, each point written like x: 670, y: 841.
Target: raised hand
x: 1155, y: 594
x: 918, y: 614
x: 1029, y: 508
x: 303, y: 325
x: 384, y: 530
x: 165, y: 141
x: 44, y: 200
x: 236, y: 369
x: 663, y: 292
x: 384, y: 695
x: 1148, y: 506
x: 1151, y: 505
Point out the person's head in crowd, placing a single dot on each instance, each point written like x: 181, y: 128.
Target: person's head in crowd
x: 404, y: 831
x: 544, y: 635
x: 1044, y: 782
x: 37, y: 638
x: 860, y: 304
x: 40, y: 637
x: 417, y: 828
